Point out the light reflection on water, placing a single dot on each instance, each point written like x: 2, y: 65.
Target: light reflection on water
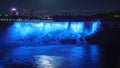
x: 64, y: 56
x: 44, y: 61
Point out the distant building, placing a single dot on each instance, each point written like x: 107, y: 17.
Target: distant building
x: 13, y: 12
x: 63, y: 14
x: 32, y: 14
x: 46, y: 17
x: 24, y: 12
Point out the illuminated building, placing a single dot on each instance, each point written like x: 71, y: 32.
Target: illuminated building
x: 13, y: 12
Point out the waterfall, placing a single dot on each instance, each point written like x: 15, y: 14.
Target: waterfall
x: 49, y: 32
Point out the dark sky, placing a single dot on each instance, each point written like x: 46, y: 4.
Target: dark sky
x: 74, y: 7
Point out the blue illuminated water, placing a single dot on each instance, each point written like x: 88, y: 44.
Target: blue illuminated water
x: 15, y: 53
x: 53, y: 56
x: 49, y: 32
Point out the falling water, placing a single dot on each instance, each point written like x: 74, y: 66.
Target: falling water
x: 49, y: 32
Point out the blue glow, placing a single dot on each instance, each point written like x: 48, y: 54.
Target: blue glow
x: 55, y: 56
x: 95, y: 54
x: 37, y: 31
x: 39, y: 24
x: 95, y: 25
x: 95, y: 51
x: 78, y: 52
x: 77, y: 27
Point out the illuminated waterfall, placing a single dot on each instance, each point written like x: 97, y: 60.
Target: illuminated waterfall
x: 50, y: 31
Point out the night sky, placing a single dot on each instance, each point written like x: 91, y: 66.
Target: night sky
x: 50, y: 7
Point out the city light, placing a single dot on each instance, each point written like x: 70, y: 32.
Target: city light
x: 13, y: 9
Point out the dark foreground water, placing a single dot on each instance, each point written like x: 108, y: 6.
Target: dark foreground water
x: 59, y: 56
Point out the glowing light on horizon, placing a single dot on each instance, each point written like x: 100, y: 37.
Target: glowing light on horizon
x: 13, y: 9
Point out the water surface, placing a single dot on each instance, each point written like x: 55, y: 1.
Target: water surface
x: 51, y: 56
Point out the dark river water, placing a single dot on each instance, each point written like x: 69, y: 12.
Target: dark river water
x: 59, y: 56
